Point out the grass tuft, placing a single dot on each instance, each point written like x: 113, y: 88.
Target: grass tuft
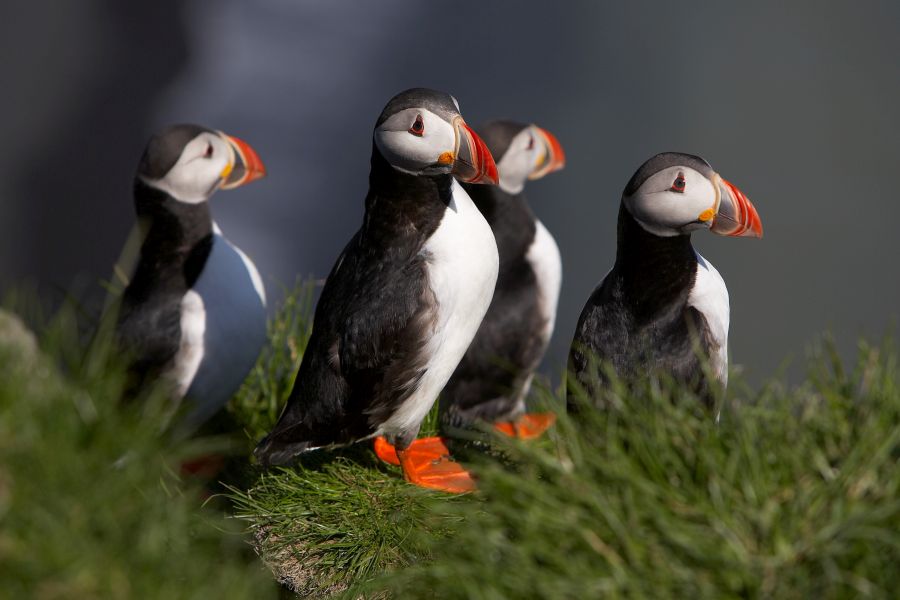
x: 328, y: 528
x: 337, y: 519
x: 91, y: 502
x: 258, y: 403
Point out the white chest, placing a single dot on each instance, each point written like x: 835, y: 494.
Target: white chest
x: 544, y: 257
x: 462, y: 273
x: 190, y: 349
x: 710, y: 296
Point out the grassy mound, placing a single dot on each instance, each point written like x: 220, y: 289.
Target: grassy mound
x: 795, y: 493
x: 336, y: 519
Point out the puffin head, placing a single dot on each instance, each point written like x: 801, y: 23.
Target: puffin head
x: 522, y: 152
x: 673, y: 194
x: 420, y: 132
x: 190, y: 162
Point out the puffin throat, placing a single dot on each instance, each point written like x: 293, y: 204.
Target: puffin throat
x: 177, y: 238
x: 654, y: 270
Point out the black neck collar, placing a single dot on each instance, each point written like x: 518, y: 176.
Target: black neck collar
x: 177, y: 238
x: 657, y: 272
x: 399, y: 204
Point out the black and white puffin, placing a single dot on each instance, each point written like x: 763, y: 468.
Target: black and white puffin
x: 663, y: 308
x: 493, y: 378
x: 193, y: 312
x: 404, y: 299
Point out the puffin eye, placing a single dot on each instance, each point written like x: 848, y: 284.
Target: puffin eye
x: 209, y: 151
x: 679, y: 184
x: 418, y: 128
x: 530, y: 142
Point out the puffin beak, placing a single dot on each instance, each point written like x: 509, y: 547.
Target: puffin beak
x: 244, y: 168
x: 552, y: 158
x: 472, y: 162
x: 736, y: 216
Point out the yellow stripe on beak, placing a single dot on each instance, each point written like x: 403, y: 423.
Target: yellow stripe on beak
x: 226, y: 171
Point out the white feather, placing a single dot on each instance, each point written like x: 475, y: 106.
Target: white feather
x: 462, y: 274
x: 545, y: 259
x: 190, y: 350
x: 710, y: 297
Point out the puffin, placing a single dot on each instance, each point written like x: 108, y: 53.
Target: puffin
x: 663, y: 308
x: 492, y: 380
x: 403, y: 301
x: 193, y: 313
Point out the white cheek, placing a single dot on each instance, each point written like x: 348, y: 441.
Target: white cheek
x: 670, y: 213
x: 194, y: 181
x: 516, y: 164
x: 412, y: 153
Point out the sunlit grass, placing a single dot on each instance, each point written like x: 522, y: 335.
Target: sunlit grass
x: 794, y: 493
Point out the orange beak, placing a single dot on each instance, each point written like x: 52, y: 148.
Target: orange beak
x: 473, y: 162
x: 553, y: 157
x: 736, y: 215
x: 247, y: 166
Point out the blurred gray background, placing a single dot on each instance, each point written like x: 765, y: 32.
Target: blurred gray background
x: 796, y: 103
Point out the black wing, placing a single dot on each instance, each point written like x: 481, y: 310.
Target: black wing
x: 608, y: 336
x: 149, y: 334
x: 365, y: 355
x: 600, y: 335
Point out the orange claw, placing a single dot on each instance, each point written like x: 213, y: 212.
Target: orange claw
x: 528, y: 426
x: 386, y: 452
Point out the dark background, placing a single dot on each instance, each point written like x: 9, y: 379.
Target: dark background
x: 798, y: 103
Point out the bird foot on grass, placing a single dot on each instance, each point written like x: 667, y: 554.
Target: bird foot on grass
x: 427, y: 463
x: 527, y: 427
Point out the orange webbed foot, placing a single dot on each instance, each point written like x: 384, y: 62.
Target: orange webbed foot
x: 528, y: 426
x: 427, y: 463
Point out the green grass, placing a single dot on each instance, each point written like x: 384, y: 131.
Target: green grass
x: 258, y: 403
x: 794, y: 494
x: 91, y: 504
x: 336, y: 519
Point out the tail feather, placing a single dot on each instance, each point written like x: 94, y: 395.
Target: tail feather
x: 272, y: 452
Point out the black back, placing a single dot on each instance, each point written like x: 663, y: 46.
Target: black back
x: 637, y: 321
x: 177, y: 241
x: 372, y: 322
